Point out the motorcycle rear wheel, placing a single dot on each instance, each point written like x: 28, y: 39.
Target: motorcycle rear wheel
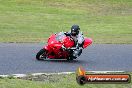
x: 71, y: 58
x: 41, y: 55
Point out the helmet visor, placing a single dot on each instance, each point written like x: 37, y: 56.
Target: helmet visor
x: 73, y: 33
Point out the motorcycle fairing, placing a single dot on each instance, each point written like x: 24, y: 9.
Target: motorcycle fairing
x: 87, y: 42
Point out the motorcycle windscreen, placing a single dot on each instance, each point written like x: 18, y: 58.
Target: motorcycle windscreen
x: 68, y: 43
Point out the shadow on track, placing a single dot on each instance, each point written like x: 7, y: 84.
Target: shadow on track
x: 64, y: 61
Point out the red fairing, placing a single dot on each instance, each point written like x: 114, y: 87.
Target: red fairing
x: 46, y: 47
x: 87, y: 42
x: 68, y: 42
x: 51, y: 39
x: 55, y: 43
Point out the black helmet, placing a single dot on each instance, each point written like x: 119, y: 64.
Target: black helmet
x: 75, y: 30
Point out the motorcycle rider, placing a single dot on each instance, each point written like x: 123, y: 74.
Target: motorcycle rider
x: 78, y: 38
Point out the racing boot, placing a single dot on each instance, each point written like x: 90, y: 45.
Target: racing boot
x: 77, y: 52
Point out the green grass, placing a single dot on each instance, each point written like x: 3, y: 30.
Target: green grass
x: 105, y: 21
x: 55, y: 81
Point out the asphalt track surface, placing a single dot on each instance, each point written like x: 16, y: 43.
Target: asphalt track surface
x: 19, y: 58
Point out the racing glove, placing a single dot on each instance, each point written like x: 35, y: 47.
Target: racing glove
x: 63, y: 47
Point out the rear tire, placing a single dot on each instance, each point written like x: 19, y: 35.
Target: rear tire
x: 41, y: 55
x: 71, y: 58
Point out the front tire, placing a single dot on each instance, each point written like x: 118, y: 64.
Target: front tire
x: 41, y: 55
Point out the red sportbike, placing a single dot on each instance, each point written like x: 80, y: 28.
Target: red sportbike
x: 60, y: 46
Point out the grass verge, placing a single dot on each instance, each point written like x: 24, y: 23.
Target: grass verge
x: 105, y: 21
x: 53, y: 81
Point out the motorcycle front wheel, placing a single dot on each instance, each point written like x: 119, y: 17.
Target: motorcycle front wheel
x: 41, y: 55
